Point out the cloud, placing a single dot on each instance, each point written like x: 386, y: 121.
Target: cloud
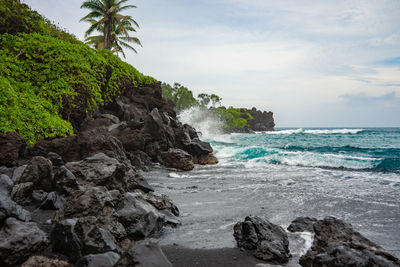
x: 389, y: 100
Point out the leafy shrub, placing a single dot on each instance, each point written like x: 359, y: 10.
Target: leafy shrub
x: 44, y: 77
x: 16, y: 17
x: 234, y: 118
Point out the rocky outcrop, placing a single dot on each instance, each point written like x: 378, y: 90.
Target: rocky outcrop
x: 267, y: 241
x: 302, y: 224
x: 336, y: 243
x: 19, y: 240
x: 262, y: 120
x: 177, y: 158
x: 11, y: 147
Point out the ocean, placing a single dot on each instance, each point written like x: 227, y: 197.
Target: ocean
x: 350, y: 173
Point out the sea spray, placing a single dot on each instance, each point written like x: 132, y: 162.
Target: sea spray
x: 204, y: 121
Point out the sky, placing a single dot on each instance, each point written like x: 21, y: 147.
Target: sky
x: 313, y: 63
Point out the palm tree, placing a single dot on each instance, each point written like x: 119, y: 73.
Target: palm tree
x: 104, y: 16
x: 117, y: 38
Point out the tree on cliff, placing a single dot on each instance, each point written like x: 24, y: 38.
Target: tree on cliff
x: 105, y: 17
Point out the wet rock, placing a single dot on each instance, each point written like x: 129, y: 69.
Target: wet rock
x: 8, y: 208
x: 65, y: 241
x: 85, y: 144
x: 6, y: 184
x: 302, y: 224
x: 41, y: 261
x: 162, y: 202
x: 205, y: 159
x: 103, y: 170
x: 18, y: 172
x: 141, y: 183
x: 108, y: 259
x: 267, y: 241
x: 177, y: 158
x: 139, y: 217
x: 52, y: 202
x: 336, y: 243
x: 156, y: 124
x: 93, y: 201
x: 19, y: 240
x: 12, y: 146
x: 94, y: 239
x: 65, y: 181
x: 55, y: 159
x: 139, y: 159
x: 197, y: 147
x: 39, y: 172
x: 22, y: 193
x: 143, y: 254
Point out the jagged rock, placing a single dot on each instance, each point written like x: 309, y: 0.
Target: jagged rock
x: 8, y: 208
x: 85, y: 144
x: 267, y: 241
x: 41, y: 261
x: 139, y: 217
x: 19, y: 240
x: 52, y: 202
x: 11, y: 147
x: 22, y: 193
x: 262, y: 121
x: 108, y: 259
x: 196, y: 147
x: 155, y: 125
x: 103, y: 170
x: 139, y: 159
x: 336, y: 243
x: 38, y: 195
x: 94, y: 239
x: 205, y: 159
x: 18, y: 172
x: 55, y: 159
x: 153, y: 149
x: 93, y: 201
x: 143, y: 254
x: 39, y: 172
x: 131, y: 140
x: 7, y: 171
x: 6, y: 184
x: 65, y: 181
x: 65, y: 241
x: 177, y: 158
x: 302, y: 224
x: 162, y: 202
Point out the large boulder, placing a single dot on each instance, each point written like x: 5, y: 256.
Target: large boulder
x: 85, y: 144
x: 65, y: 241
x: 177, y: 158
x: 336, y: 243
x: 94, y: 239
x: 158, y: 125
x: 302, y: 224
x: 8, y: 208
x: 102, y: 170
x: 267, y: 241
x: 6, y: 184
x: 12, y: 146
x: 65, y: 181
x: 143, y: 254
x: 19, y: 240
x: 39, y: 171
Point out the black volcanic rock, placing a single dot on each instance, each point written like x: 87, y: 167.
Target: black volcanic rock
x: 267, y: 241
x: 336, y: 243
x: 262, y: 120
x: 12, y: 146
x: 302, y: 224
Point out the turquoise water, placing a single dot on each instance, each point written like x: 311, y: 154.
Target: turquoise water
x: 374, y: 149
x: 352, y: 174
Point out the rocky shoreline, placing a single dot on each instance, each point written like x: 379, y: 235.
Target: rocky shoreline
x: 82, y: 201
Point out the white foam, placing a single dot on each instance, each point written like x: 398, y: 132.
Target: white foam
x: 176, y: 175
x: 316, y: 131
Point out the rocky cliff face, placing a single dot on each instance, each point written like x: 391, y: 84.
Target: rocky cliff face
x: 262, y: 120
x: 81, y: 198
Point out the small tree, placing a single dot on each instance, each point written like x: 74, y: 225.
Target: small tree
x: 215, y: 99
x: 204, y: 99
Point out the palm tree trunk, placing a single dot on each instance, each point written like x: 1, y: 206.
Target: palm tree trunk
x: 107, y: 34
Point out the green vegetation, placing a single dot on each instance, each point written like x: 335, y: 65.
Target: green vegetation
x: 48, y: 75
x: 105, y: 18
x: 234, y: 118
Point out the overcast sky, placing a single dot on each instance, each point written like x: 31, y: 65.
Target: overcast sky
x: 313, y: 63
